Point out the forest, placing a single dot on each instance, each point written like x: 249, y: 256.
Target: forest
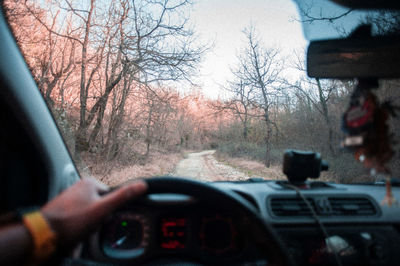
x: 119, y: 79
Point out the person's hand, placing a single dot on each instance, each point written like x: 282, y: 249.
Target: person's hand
x: 79, y: 209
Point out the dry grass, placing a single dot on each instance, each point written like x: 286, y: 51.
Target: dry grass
x: 343, y: 169
x: 157, y: 164
x: 331, y: 176
x: 257, y: 169
x: 252, y: 168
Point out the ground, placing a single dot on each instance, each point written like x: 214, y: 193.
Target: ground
x: 203, y: 166
x: 207, y: 165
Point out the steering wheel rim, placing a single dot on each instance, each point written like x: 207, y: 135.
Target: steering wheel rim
x: 270, y: 242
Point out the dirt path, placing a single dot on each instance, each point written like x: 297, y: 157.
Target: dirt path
x: 203, y: 166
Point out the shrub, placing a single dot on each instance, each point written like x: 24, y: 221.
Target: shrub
x: 248, y: 150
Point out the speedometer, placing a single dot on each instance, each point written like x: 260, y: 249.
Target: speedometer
x: 125, y: 235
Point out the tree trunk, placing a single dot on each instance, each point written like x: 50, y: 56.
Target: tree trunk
x: 148, y: 130
x: 117, y: 116
x: 325, y: 114
x: 245, y: 131
x: 81, y: 143
x: 267, y: 140
x: 245, y: 124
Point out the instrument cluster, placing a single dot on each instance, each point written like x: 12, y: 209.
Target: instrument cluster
x: 139, y: 233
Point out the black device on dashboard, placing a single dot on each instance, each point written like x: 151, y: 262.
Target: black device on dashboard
x: 300, y: 165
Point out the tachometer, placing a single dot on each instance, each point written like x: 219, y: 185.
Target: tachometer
x: 126, y: 235
x: 218, y: 235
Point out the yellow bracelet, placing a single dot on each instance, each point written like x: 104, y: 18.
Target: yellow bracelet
x: 43, y: 237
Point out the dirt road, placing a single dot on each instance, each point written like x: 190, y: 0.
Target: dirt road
x: 203, y: 166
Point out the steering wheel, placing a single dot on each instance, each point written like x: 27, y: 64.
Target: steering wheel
x: 269, y: 243
x: 259, y: 231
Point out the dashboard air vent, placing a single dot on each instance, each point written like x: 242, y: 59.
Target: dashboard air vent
x: 290, y: 207
x: 352, y: 206
x: 323, y: 206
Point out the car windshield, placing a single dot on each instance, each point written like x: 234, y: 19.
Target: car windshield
x: 326, y: 20
x: 212, y: 90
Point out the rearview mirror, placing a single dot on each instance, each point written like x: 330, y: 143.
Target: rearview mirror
x: 371, y: 57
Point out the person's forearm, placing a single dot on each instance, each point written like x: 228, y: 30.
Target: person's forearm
x: 15, y: 244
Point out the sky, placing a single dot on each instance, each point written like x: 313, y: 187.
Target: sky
x: 222, y: 22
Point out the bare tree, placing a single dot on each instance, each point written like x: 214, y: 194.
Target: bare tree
x: 383, y: 22
x: 116, y: 120
x: 320, y: 100
x: 241, y: 103
x: 54, y: 60
x: 147, y: 40
x: 311, y: 12
x: 259, y: 68
x: 159, y: 106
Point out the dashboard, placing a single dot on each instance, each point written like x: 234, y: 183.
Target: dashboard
x: 169, y: 227
x: 347, y: 223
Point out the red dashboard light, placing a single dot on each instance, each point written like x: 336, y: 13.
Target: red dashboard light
x: 173, y: 233
x: 173, y: 244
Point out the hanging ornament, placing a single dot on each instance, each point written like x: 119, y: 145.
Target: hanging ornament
x: 365, y: 124
x: 389, y: 199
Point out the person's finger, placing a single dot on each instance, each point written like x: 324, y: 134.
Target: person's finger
x: 101, y: 188
x: 92, y: 182
x: 114, y: 199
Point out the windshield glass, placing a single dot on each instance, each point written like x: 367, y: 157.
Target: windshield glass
x: 210, y: 90
x: 323, y: 19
